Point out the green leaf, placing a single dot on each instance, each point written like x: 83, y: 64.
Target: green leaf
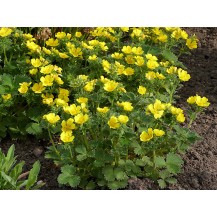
x: 7, y: 80
x: 170, y: 56
x: 8, y: 179
x: 119, y: 173
x: 68, y: 177
x: 171, y: 180
x: 164, y: 174
x: 33, y: 128
x: 174, y: 163
x: 68, y: 169
x: 74, y: 181
x: 117, y: 184
x: 162, y: 183
x: 81, y: 149
x: 10, y: 153
x: 2, y: 89
x: 109, y: 173
x: 33, y: 175
x: 159, y: 162
x: 81, y: 157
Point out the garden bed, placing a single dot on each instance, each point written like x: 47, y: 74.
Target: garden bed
x: 200, y: 167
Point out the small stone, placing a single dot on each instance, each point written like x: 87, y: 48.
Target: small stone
x: 38, y: 151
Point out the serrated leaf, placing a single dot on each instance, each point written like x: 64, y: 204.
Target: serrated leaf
x: 164, y: 174
x: 34, y: 128
x: 119, y: 174
x: 159, y: 162
x: 171, y: 180
x: 81, y: 157
x: 81, y: 149
x: 109, y: 173
x: 170, y: 56
x: 7, y: 80
x: 140, y: 163
x: 33, y: 175
x: 117, y: 185
x: 74, y: 181
x: 162, y: 183
x: 174, y: 163
x: 2, y: 90
x: 68, y: 169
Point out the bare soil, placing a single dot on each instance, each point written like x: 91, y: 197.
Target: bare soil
x: 200, y: 167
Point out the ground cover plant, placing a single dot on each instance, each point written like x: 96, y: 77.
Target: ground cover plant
x: 105, y: 98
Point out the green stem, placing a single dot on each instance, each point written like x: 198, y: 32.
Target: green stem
x: 6, y: 59
x: 52, y: 142
x: 117, y: 157
x: 85, y: 140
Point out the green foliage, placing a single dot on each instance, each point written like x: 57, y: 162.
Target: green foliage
x: 11, y: 176
x: 105, y: 98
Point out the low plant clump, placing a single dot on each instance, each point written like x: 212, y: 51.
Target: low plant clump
x: 106, y: 99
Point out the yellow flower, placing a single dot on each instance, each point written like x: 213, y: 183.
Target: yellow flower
x: 150, y: 75
x: 172, y: 70
x: 103, y: 110
x: 106, y: 65
x: 57, y: 79
x: 23, y: 87
x: 36, y: 62
x: 110, y: 86
x: 198, y: 100
x: 68, y: 125
x: 127, y: 106
x: 63, y: 55
x: 152, y: 64
x: 6, y: 96
x: 151, y: 57
x: 37, y: 88
x: 32, y: 46
x: 75, y: 52
x: 33, y: 71
x: 128, y: 71
x: 202, y: 101
x: 183, y: 75
x: 113, y: 122
x: 78, y: 34
x: 47, y: 51
x: 52, y: 118
x: 47, y: 69
x: 47, y: 80
x: 146, y: 136
x: 129, y: 59
x: 93, y: 57
x: 60, y: 102
x: 162, y: 38
x: 141, y: 90
x: 47, y: 99
x: 191, y: 43
x: 89, y: 86
x: 72, y: 109
x: 157, y: 109
x: 139, y: 61
x: 180, y: 117
x: 51, y: 42
x: 81, y: 119
x: 66, y: 136
x: 117, y: 55
x: 123, y: 119
x: 5, y: 31
x: 175, y: 111
x: 160, y: 76
x: 127, y: 49
x: 82, y: 100
x: 191, y: 100
x: 60, y: 35
x: 125, y: 29
x: 158, y: 132
x: 137, y: 50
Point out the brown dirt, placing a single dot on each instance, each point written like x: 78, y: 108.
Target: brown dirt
x: 200, y: 167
